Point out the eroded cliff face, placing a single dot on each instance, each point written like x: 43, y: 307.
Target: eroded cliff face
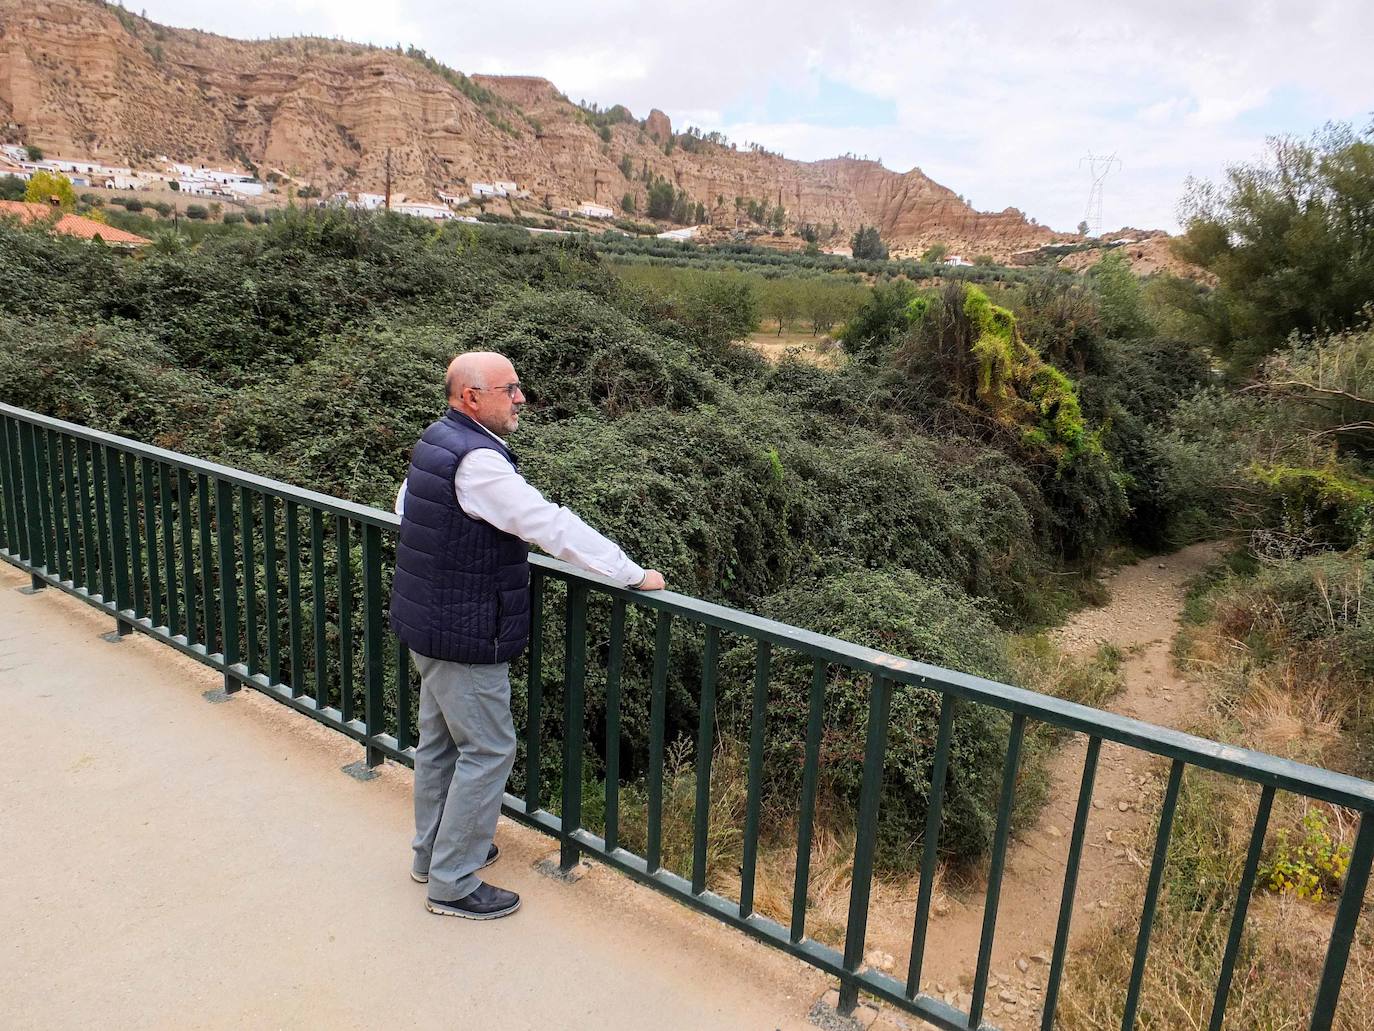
x: 79, y: 78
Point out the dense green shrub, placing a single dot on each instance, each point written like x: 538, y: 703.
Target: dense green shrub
x: 910, y: 615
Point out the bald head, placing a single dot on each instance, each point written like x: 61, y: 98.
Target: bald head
x: 481, y: 370
x: 483, y: 386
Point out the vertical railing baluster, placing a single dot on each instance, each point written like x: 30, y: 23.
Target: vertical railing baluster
x: 39, y: 444
x: 1066, y: 898
x: 806, y: 813
x: 999, y: 856
x: 1147, y: 916
x: 706, y: 725
x: 754, y: 795
x: 150, y: 540
x: 136, y: 581
x: 373, y: 640
x: 119, y: 537
x: 1247, y: 885
x: 293, y: 598
x: 90, y: 529
x: 574, y: 680
x: 344, y: 561
x: 614, y: 664
x: 866, y: 839
x: 404, y: 738
x: 534, y: 693
x: 8, y: 491
x: 169, y: 552
x: 658, y: 705
x: 37, y: 557
x: 102, y: 526
x: 207, y: 559
x: 188, y: 555
x: 271, y: 600
x: 228, y: 580
x: 1343, y: 930
x: 247, y: 532
x: 77, y: 568
x: 317, y: 605
x: 56, y: 483
x: 930, y: 847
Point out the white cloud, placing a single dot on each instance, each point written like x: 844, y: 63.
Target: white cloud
x: 998, y: 101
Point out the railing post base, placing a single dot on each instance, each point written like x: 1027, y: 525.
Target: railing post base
x: 569, y: 857
x: 123, y: 628
x: 374, y: 757
x: 848, y: 998
x: 231, y: 684
x: 36, y: 584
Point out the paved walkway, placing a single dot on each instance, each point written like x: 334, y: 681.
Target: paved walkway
x: 169, y: 863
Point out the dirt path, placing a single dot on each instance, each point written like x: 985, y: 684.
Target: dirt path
x: 1141, y: 619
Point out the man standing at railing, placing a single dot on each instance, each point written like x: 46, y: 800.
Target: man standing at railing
x: 460, y: 602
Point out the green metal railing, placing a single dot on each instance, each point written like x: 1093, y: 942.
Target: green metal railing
x: 193, y: 554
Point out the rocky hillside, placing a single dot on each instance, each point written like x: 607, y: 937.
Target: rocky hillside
x: 82, y: 78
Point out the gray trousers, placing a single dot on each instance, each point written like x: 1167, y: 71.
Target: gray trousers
x: 465, y: 754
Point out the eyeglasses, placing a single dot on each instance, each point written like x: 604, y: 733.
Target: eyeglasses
x: 510, y: 389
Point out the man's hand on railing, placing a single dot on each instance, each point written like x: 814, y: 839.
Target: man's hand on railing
x: 653, y: 581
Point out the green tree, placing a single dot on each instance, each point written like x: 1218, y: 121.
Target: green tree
x: 44, y: 186
x: 661, y: 197
x: 781, y: 302
x: 627, y: 203
x: 935, y: 252
x: 1120, y: 300
x: 868, y: 245
x: 1083, y: 228
x: 12, y: 187
x: 627, y: 168
x: 1288, y: 239
x: 34, y: 153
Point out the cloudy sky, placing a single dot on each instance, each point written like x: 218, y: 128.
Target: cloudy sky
x: 999, y: 100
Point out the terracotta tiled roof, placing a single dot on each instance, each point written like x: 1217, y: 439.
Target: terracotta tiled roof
x: 71, y: 225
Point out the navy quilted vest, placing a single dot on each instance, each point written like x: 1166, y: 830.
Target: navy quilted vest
x: 462, y: 587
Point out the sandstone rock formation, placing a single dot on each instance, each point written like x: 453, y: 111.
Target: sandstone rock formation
x: 80, y: 78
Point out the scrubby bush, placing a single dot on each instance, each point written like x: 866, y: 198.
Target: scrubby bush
x: 910, y: 615
x: 198, y: 211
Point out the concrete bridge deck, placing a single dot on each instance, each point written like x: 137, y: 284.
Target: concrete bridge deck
x: 168, y: 862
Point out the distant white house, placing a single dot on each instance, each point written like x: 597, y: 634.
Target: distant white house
x: 505, y: 189
x: 370, y: 201
x: 245, y: 187
x: 589, y: 210
x: 198, y: 187
x: 420, y: 209
x: 487, y: 190
x: 957, y: 260
x: 14, y: 170
x: 454, y: 200
x: 679, y: 234
x: 14, y: 151
x: 121, y: 181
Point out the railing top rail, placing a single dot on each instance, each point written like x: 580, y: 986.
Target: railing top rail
x: 1257, y: 767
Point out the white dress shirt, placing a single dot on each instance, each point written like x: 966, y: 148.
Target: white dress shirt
x: 490, y: 489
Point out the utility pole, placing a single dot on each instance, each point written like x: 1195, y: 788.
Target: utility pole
x: 1098, y: 169
x: 388, y: 178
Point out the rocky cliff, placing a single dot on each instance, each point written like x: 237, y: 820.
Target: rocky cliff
x: 81, y: 78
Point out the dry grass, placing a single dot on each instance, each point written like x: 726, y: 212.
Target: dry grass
x: 818, y: 350
x: 1280, y: 692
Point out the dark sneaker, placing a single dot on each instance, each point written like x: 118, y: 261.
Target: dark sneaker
x: 485, y: 902
x: 493, y: 854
